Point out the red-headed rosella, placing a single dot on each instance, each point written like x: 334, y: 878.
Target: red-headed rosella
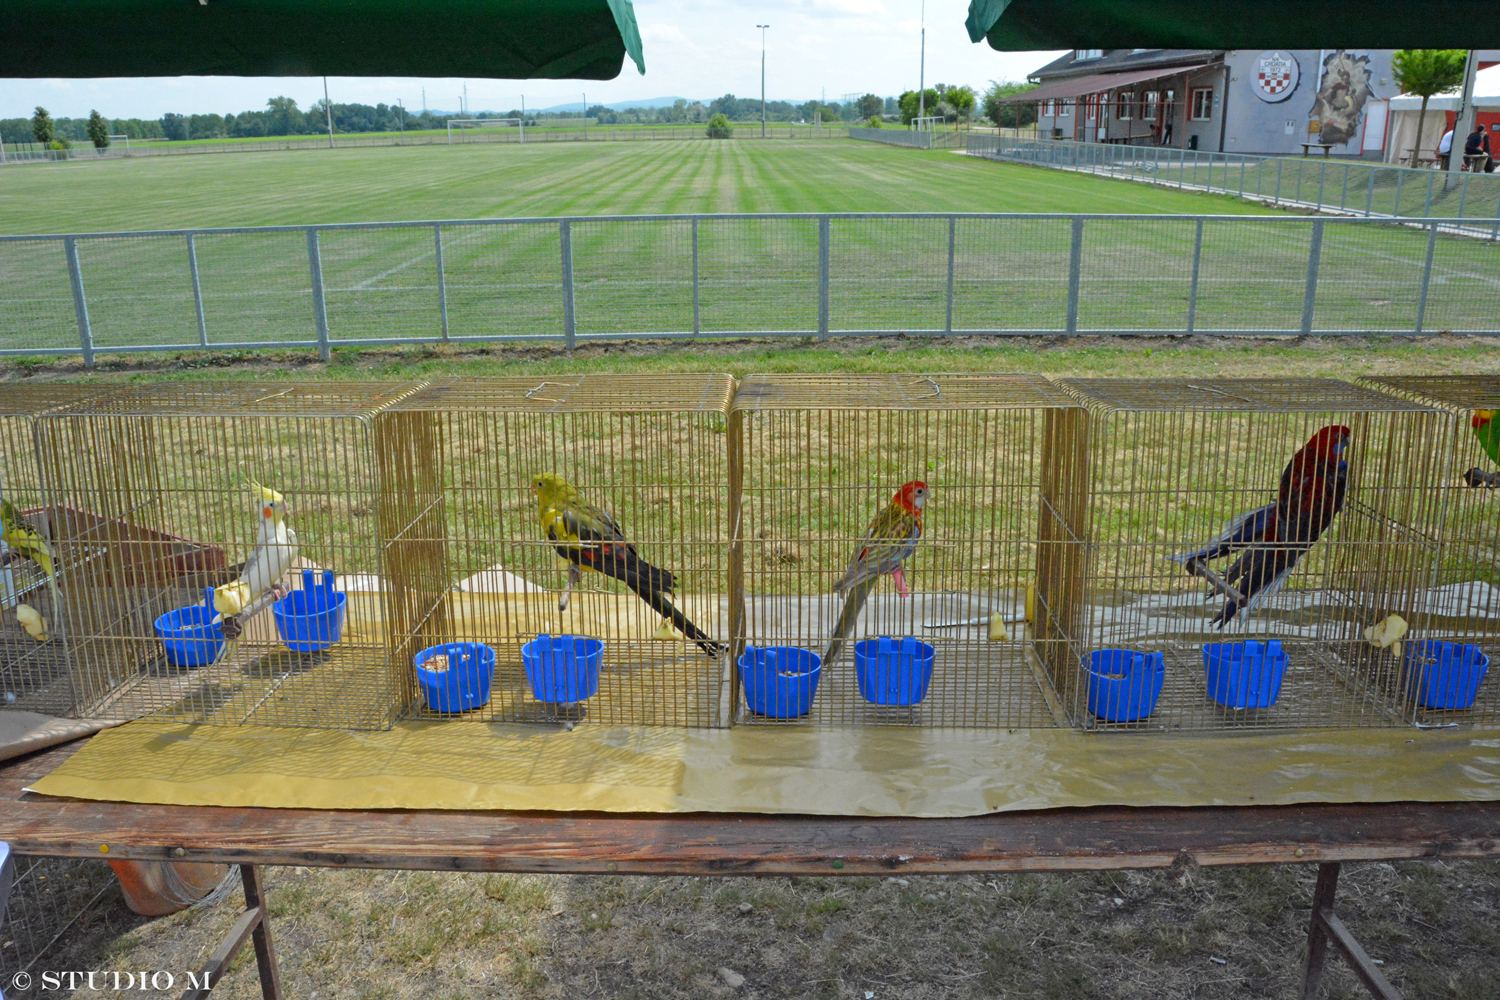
x: 891, y: 539
x: 590, y: 539
x: 1488, y: 433
x: 1275, y: 536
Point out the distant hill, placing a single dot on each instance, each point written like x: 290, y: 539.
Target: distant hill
x: 649, y: 102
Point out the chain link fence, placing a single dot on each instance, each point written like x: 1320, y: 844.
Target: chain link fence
x: 1354, y: 187
x: 789, y: 275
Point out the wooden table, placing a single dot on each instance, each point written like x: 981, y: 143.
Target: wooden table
x: 1308, y: 147
x: 742, y: 844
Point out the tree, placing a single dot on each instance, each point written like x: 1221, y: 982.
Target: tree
x: 1424, y: 72
x: 719, y: 127
x: 174, y: 127
x: 909, y: 106
x: 961, y: 100
x: 875, y: 122
x: 870, y: 106
x: 1008, y: 115
x: 98, y: 130
x: 283, y: 118
x: 42, y: 126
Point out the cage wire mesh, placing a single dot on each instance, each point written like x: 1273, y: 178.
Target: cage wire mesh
x: 151, y: 507
x: 467, y: 559
x: 34, y: 671
x: 1463, y: 604
x: 819, y: 458
x: 47, y: 899
x: 1160, y: 470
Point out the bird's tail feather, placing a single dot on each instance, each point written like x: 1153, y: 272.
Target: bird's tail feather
x: 1242, y: 530
x: 852, y: 605
x: 664, y: 607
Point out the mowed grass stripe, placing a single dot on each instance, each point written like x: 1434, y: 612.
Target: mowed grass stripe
x: 396, y: 183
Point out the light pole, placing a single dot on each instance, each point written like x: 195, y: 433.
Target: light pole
x: 922, y: 70
x: 763, y: 28
x: 328, y: 112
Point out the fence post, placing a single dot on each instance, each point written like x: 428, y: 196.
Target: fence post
x: 695, y: 276
x: 192, y: 248
x: 1370, y: 194
x: 320, y: 306
x: 570, y: 325
x: 1279, y: 163
x: 1193, y: 288
x: 1426, y: 277
x: 1075, y: 268
x: 952, y: 234
x: 1496, y: 234
x: 1310, y: 297
x: 1396, y: 209
x: 1431, y: 180
x: 1344, y: 194
x: 442, y: 281
x: 80, y: 302
x: 822, y: 277
x: 1463, y: 194
x: 1242, y: 177
x: 1322, y: 176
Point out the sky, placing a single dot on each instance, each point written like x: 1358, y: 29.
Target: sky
x: 698, y: 49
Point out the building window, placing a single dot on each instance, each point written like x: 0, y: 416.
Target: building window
x: 1123, y: 105
x: 1049, y: 108
x: 1148, y: 105
x: 1064, y: 109
x: 1203, y: 103
x: 1082, y: 54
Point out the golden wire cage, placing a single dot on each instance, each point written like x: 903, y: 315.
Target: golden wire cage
x: 34, y: 670
x: 468, y: 562
x: 152, y: 507
x: 1215, y: 526
x: 816, y: 459
x: 1463, y: 605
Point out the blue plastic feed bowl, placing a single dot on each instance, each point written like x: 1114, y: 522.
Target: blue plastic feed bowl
x: 189, y: 636
x: 1445, y: 674
x: 312, y: 618
x: 460, y: 680
x: 1125, y: 683
x: 562, y: 668
x: 893, y: 671
x: 1244, y: 674
x: 780, y: 681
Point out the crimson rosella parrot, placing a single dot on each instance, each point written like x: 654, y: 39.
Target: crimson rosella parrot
x: 1488, y: 433
x: 892, y: 537
x: 1275, y: 536
x: 589, y: 539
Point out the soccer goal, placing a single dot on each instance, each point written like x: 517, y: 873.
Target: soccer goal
x: 932, y: 123
x: 461, y: 124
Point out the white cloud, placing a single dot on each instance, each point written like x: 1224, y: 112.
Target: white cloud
x: 694, y: 48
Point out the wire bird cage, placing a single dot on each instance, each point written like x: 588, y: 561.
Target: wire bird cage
x: 817, y: 459
x: 468, y: 561
x: 1163, y: 468
x: 149, y: 504
x: 1463, y: 605
x: 33, y: 669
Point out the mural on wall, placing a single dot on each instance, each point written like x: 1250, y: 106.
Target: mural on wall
x: 1342, y: 93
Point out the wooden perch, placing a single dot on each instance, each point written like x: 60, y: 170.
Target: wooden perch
x: 1196, y: 567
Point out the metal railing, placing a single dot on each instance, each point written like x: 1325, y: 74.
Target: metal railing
x: 596, y: 133
x: 1355, y: 187
x: 572, y: 280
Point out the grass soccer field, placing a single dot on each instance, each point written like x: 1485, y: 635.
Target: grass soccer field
x: 392, y: 183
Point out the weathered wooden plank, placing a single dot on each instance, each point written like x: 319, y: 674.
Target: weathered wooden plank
x: 705, y: 844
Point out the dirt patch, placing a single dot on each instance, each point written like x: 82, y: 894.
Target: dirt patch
x: 1184, y: 932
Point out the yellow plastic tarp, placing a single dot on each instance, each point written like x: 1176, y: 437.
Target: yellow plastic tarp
x: 868, y: 772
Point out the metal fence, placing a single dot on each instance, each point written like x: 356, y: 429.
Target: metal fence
x: 789, y: 275
x: 602, y: 133
x: 1356, y: 187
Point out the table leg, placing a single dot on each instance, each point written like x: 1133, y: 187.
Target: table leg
x: 252, y: 924
x: 1325, y: 928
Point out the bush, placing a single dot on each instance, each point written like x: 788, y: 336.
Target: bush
x: 59, y: 142
x: 874, y: 122
x: 719, y: 127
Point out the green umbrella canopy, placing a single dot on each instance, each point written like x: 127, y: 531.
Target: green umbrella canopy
x: 497, y: 39
x: 1019, y: 25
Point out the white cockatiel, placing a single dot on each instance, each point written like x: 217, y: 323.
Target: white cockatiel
x: 275, y: 550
